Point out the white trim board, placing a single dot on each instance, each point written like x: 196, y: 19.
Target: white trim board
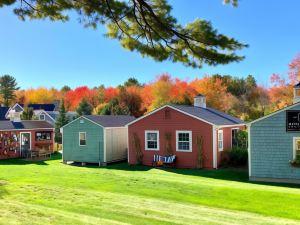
x: 81, y: 118
x: 162, y: 107
x: 183, y: 112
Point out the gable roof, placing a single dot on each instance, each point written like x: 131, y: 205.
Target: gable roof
x: 26, y: 124
x: 3, y: 111
x: 274, y: 113
x: 208, y: 115
x: 111, y: 121
x: 46, y: 107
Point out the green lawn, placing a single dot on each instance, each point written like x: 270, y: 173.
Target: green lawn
x: 53, y: 193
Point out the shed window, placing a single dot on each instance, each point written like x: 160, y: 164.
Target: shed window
x: 152, y: 140
x: 82, y: 138
x: 297, y: 148
x: 220, y: 140
x: 42, y: 117
x: 43, y: 136
x: 184, y: 141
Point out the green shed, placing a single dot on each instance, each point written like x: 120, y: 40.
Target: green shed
x: 96, y: 139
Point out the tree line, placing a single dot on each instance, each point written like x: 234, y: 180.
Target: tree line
x: 239, y: 96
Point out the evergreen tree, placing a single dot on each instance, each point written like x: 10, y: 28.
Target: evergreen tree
x: 84, y: 108
x: 145, y: 26
x: 27, y: 113
x: 61, y: 120
x: 8, y: 86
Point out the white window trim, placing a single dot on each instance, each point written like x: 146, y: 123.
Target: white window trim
x: 190, y: 140
x: 43, y: 116
x: 146, y: 141
x: 221, y: 132
x: 294, y: 147
x: 80, y: 132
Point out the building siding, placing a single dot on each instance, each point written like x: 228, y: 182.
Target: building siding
x: 271, y: 148
x: 93, y: 151
x: 175, y: 121
x: 116, y: 144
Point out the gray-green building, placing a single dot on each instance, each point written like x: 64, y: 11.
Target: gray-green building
x: 274, y: 145
x: 96, y: 139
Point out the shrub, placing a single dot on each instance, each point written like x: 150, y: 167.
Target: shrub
x: 238, y: 156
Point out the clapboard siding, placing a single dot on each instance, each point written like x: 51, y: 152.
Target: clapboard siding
x: 271, y: 148
x: 92, y: 152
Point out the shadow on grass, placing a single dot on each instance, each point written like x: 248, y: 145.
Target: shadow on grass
x: 226, y: 174
x: 42, y: 162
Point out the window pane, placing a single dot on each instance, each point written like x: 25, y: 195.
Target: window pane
x: 82, y: 138
x: 151, y: 136
x: 152, y: 144
x: 183, y: 137
x: 183, y: 146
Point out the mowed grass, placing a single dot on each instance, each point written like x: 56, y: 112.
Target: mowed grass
x: 53, y: 193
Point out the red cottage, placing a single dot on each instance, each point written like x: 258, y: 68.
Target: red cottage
x: 178, y: 128
x: 16, y: 138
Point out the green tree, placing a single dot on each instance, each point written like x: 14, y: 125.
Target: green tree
x: 61, y: 120
x: 27, y: 113
x: 132, y: 82
x: 84, y: 108
x: 145, y: 26
x: 8, y: 87
x: 65, y: 89
x: 114, y: 108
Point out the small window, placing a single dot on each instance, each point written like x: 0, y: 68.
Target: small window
x: 43, y: 136
x: 184, y: 141
x: 297, y: 148
x: 42, y: 117
x: 220, y: 140
x: 297, y: 92
x: 152, y: 140
x: 82, y: 138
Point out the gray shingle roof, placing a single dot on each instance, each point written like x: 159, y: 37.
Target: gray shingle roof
x: 111, y: 121
x: 28, y: 124
x: 211, y: 115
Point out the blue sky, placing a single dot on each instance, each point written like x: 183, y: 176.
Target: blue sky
x: 53, y: 54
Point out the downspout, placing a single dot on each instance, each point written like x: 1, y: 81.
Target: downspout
x: 215, y: 155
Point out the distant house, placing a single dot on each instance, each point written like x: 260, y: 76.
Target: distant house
x: 36, y: 107
x: 96, y: 139
x: 51, y: 116
x: 274, y: 145
x: 21, y: 136
x: 184, y: 125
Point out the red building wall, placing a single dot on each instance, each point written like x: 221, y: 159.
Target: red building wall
x: 174, y: 121
x: 9, y: 148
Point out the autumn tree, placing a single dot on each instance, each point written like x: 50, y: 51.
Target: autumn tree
x: 216, y: 93
x: 8, y: 88
x: 145, y: 26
